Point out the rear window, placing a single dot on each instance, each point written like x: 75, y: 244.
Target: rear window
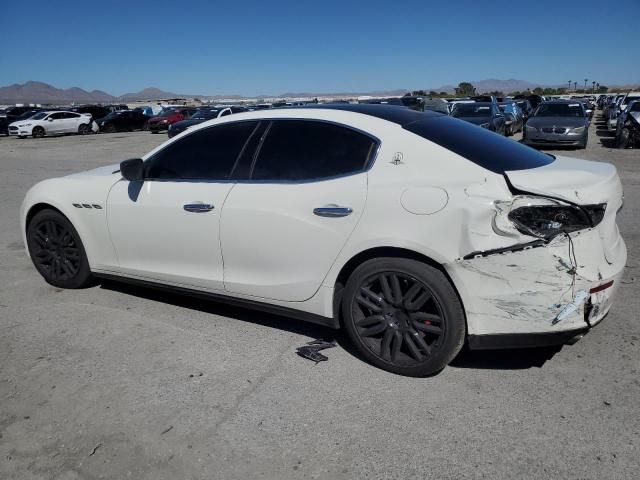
x: 478, y: 145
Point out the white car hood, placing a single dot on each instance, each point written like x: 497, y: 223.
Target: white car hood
x: 578, y: 181
x: 107, y: 171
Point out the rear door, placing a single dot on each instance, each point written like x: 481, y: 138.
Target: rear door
x: 283, y: 228
x: 71, y: 122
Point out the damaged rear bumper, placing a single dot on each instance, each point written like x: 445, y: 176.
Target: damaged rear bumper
x: 541, y: 295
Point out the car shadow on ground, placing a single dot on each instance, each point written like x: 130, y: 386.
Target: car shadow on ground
x: 513, y: 359
x: 484, y: 359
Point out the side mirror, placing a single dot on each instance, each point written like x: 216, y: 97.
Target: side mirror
x: 132, y: 169
x: 50, y: 119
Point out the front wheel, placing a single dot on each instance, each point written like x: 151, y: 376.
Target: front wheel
x: 37, y: 132
x: 83, y: 129
x: 403, y: 316
x: 57, y: 251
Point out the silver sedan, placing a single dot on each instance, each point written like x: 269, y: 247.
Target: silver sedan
x: 558, y: 123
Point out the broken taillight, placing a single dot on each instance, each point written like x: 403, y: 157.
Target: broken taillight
x: 546, y: 217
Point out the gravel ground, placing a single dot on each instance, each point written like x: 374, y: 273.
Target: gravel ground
x: 120, y: 382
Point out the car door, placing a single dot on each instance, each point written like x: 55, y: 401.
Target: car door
x: 282, y: 229
x: 166, y: 227
x: 55, y: 123
x: 71, y: 122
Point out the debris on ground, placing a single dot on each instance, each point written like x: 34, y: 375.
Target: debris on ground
x: 167, y: 430
x: 312, y: 350
x: 95, y: 449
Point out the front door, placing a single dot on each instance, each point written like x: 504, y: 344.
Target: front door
x: 166, y: 228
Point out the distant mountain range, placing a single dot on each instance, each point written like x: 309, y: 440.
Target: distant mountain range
x: 39, y: 92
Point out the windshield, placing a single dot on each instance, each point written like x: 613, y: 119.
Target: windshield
x: 204, y: 114
x: 635, y: 106
x: 112, y: 115
x: 167, y: 112
x: 560, y: 110
x: 39, y: 116
x: 471, y: 110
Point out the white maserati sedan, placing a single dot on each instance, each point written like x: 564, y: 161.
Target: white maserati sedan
x: 415, y: 232
x: 51, y: 123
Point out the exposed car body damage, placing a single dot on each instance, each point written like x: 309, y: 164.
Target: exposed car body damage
x: 534, y: 284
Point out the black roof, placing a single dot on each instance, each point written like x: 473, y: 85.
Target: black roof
x: 392, y: 113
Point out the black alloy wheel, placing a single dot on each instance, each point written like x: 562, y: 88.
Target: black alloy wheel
x: 83, y: 129
x: 403, y: 316
x: 37, y: 132
x: 56, y: 250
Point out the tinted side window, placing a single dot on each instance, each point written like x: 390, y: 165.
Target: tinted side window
x: 299, y: 150
x: 57, y: 116
x: 478, y: 145
x: 207, y: 154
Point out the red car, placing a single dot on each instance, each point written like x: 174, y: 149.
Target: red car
x: 169, y: 116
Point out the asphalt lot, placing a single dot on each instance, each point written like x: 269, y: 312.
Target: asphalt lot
x: 121, y: 382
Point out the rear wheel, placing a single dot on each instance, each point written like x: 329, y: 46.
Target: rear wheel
x: 403, y: 316
x: 57, y: 251
x: 37, y: 132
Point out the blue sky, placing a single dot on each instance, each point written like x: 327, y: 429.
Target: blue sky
x: 271, y: 47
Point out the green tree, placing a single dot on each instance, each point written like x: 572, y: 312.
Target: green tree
x: 603, y: 89
x: 538, y: 91
x: 465, y: 89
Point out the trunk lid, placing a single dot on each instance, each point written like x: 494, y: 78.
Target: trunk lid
x: 581, y: 182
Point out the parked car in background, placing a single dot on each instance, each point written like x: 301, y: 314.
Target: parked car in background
x: 150, y: 110
x: 168, y: 117
x: 513, y: 117
x: 5, y: 119
x: 51, y: 123
x: 310, y: 212
x: 558, y: 123
x: 484, y: 114
x: 123, y: 121
x: 612, y: 122
x: 628, y: 126
x: 13, y: 114
x: 96, y: 111
x: 525, y: 106
x: 534, y: 100
x: 202, y: 115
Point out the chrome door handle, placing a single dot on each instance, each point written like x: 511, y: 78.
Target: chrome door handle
x: 333, y: 211
x: 198, y: 207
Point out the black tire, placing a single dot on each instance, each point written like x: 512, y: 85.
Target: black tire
x: 111, y: 128
x: 403, y: 316
x: 83, y: 129
x: 57, y: 251
x: 37, y: 132
x: 622, y: 140
x: 145, y: 126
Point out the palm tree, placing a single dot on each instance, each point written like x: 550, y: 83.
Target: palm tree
x: 593, y: 87
x: 597, y: 86
x: 569, y: 84
x: 575, y: 86
x: 585, y: 84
